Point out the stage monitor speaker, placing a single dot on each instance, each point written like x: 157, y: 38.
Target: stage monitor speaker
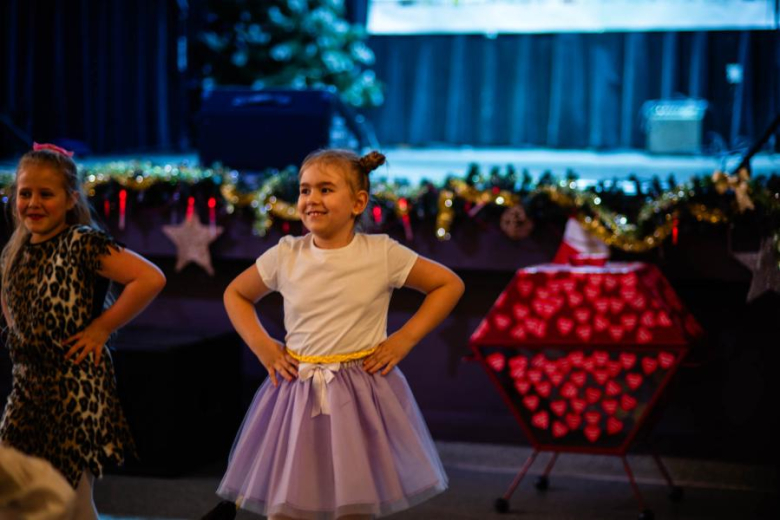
x: 252, y: 130
x: 674, y: 126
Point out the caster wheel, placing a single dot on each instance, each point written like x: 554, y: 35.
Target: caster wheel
x: 501, y: 505
x: 647, y: 514
x: 542, y: 483
x: 676, y: 494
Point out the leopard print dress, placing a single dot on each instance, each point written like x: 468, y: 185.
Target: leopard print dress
x: 66, y: 413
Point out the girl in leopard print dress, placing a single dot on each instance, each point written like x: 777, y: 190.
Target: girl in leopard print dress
x: 56, y: 269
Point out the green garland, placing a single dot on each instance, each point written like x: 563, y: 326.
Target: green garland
x: 633, y: 223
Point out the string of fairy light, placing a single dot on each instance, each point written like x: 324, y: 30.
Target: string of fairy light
x: 656, y: 220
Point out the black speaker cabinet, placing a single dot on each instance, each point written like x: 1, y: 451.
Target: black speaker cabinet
x: 252, y: 130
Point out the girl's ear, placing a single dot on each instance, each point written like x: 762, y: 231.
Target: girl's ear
x: 361, y: 201
x: 73, y: 199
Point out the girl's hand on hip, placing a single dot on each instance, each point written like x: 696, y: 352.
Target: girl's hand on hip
x: 387, y: 355
x: 91, y: 339
x: 276, y: 359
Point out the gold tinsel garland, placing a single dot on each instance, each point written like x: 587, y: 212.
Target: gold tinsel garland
x: 611, y: 227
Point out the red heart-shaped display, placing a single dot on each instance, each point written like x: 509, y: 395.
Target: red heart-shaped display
x: 592, y: 394
x: 564, y: 325
x: 582, y: 314
x: 602, y: 305
x: 592, y: 432
x: 600, y: 376
x: 531, y: 402
x: 649, y: 365
x: 502, y: 321
x: 601, y: 357
x: 518, y: 362
x: 541, y: 420
x: 595, y: 279
x: 556, y: 378
x: 578, y: 405
x: 522, y: 386
x: 578, y: 378
x: 536, y: 327
x: 610, y: 283
x: 592, y: 417
x: 544, y: 388
x: 517, y: 371
x: 628, y: 321
x: 525, y: 287
x: 613, y: 388
x: 576, y: 358
x: 558, y: 407
x: 648, y: 319
x: 543, y: 308
x: 575, y: 299
x: 629, y: 279
x: 600, y: 323
x: 634, y: 381
x: 497, y: 361
x: 543, y: 293
x: 628, y: 293
x: 639, y: 302
x: 535, y: 375
x: 627, y: 402
x: 568, y: 285
x: 559, y: 429
x: 584, y: 332
x: 616, y: 332
x: 666, y: 360
x: 609, y: 406
x: 589, y: 364
x: 518, y: 333
x: 569, y: 391
x: 616, y: 305
x: 592, y: 292
x: 627, y: 359
x: 573, y: 420
x: 520, y: 311
x: 539, y: 361
x: 643, y: 335
x: 614, y: 426
x: 663, y: 319
x: 614, y: 368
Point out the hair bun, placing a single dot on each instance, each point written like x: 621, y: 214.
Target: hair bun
x: 371, y: 161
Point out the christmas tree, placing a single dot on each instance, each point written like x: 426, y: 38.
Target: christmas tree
x: 287, y: 43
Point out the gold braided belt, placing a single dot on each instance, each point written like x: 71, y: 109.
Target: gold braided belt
x: 334, y: 358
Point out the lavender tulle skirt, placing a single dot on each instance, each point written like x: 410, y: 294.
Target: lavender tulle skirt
x: 371, y: 454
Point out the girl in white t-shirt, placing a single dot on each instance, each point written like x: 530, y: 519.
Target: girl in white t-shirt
x: 334, y: 432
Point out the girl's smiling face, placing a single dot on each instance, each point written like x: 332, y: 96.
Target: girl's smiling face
x: 42, y: 202
x: 328, y: 205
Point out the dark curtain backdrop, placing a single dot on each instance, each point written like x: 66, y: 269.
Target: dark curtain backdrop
x: 570, y: 90
x: 101, y: 72
x: 107, y: 73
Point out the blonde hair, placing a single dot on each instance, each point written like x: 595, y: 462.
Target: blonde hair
x: 356, y: 167
x: 78, y: 214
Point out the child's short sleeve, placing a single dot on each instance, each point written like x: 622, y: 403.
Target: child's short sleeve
x: 400, y: 260
x: 90, y: 245
x: 268, y: 267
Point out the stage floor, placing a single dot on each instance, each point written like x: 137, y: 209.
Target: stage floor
x: 581, y: 486
x: 436, y: 163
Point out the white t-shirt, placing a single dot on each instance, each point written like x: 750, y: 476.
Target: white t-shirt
x: 335, y: 300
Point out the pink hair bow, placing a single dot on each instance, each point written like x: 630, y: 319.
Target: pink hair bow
x: 52, y: 147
